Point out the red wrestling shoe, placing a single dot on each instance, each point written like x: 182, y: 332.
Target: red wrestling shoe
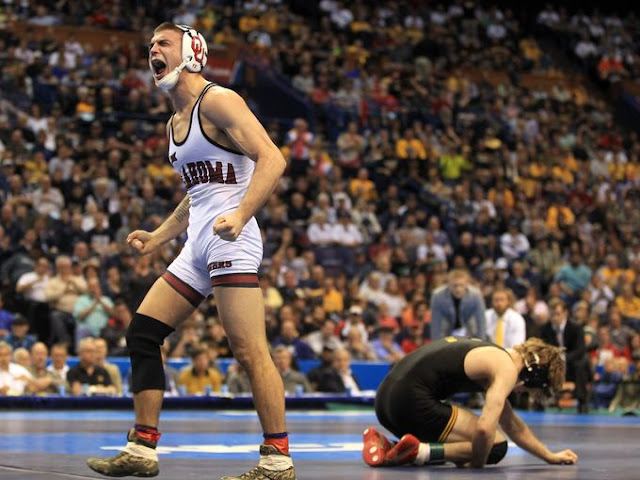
x: 375, y: 447
x: 404, y: 452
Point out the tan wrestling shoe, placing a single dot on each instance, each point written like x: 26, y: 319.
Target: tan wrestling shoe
x: 126, y: 464
x: 261, y: 473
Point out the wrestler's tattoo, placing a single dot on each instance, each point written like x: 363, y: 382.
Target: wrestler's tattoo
x: 181, y: 213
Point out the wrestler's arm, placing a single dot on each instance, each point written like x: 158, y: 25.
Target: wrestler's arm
x: 518, y: 431
x: 229, y: 112
x: 502, y: 379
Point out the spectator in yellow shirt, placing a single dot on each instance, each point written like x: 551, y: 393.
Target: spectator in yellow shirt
x: 160, y: 171
x: 362, y: 186
x: 562, y: 173
x: 452, y: 163
x: 199, y: 375
x: 332, y: 299
x: 37, y: 167
x: 559, y: 215
x: 502, y: 190
x: 611, y: 271
x: 628, y: 302
x: 410, y: 147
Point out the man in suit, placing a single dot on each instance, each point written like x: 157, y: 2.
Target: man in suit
x: 563, y: 332
x: 457, y: 308
x: 339, y: 378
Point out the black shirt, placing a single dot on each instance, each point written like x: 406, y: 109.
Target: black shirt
x: 78, y: 374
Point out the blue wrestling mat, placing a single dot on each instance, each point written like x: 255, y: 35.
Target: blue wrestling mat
x: 54, y: 444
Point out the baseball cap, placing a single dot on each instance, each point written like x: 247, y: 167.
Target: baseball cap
x: 19, y: 319
x: 355, y: 310
x: 388, y: 324
x: 502, y: 264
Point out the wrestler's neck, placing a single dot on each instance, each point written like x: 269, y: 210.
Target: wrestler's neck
x: 186, y: 91
x: 517, y: 359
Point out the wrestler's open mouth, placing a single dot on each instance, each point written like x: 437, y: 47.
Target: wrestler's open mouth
x: 158, y: 67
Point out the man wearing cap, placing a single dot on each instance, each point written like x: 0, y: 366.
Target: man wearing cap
x: 19, y: 338
x: 385, y: 346
x: 353, y: 321
x: 415, y: 337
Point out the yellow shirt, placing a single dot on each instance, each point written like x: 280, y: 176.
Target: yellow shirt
x: 197, y: 384
x: 618, y: 171
x: 529, y: 186
x: 530, y: 50
x: 563, y: 174
x: 360, y: 26
x: 610, y: 276
x: 333, y: 301
x: 538, y: 170
x: 164, y: 172
x: 248, y: 24
x: 508, y: 198
x: 362, y: 188
x: 36, y: 170
x: 554, y: 212
x: 629, y: 308
x: 270, y: 22
x: 403, y: 145
x: 272, y: 298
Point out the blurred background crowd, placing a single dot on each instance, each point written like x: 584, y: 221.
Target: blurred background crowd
x: 432, y: 188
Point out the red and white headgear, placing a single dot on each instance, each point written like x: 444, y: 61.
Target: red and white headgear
x: 194, y: 57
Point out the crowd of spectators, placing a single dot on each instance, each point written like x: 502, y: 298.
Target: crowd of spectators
x: 604, y: 44
x: 409, y: 174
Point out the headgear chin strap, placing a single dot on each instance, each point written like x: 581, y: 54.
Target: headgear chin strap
x: 194, y: 57
x: 169, y: 81
x: 533, y: 375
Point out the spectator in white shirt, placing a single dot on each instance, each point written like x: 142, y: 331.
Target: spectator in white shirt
x: 548, y: 16
x: 372, y: 290
x: 32, y: 285
x: 63, y: 161
x: 341, y: 16
x: 430, y: 250
x: 342, y: 364
x: 514, y: 243
x: 324, y: 206
x: 320, y: 232
x: 585, y: 48
x: 496, y: 30
x: 345, y: 233
x: 323, y: 338
x: 59, y: 367
x: 505, y: 326
x: 48, y: 200
x: 13, y: 377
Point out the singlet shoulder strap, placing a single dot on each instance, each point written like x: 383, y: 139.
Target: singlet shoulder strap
x: 204, y: 90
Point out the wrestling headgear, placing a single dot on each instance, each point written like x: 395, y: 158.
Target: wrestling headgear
x: 194, y: 57
x: 533, y: 375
